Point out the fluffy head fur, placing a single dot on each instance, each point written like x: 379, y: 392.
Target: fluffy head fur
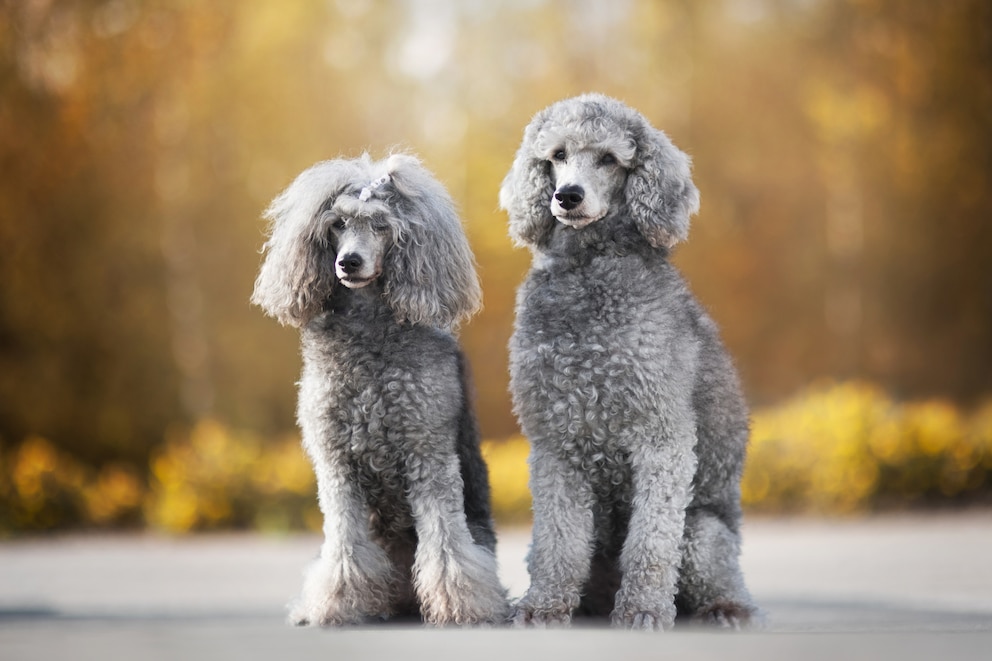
x: 610, y: 150
x: 427, y: 268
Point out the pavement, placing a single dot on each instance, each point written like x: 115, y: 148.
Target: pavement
x: 884, y: 587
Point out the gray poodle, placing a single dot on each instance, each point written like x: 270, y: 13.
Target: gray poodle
x: 369, y: 260
x: 619, y: 379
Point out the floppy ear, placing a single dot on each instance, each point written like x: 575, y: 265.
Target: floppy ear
x: 527, y: 189
x: 659, y: 190
x: 297, y: 274
x: 429, y: 272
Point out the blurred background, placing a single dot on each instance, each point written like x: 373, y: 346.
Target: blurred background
x: 843, y: 149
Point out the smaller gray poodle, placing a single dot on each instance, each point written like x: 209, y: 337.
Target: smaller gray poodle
x: 619, y: 379
x: 369, y: 260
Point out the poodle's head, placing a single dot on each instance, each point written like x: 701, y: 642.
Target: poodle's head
x: 591, y: 156
x: 359, y: 223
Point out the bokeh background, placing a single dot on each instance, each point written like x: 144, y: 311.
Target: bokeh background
x: 843, y: 149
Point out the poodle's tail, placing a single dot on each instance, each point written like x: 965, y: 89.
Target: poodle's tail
x: 475, y: 474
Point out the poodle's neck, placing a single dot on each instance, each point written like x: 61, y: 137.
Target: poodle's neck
x: 363, y: 306
x: 615, y: 235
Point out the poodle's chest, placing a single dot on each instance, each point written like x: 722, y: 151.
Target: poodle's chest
x: 615, y: 311
x: 381, y: 394
x: 593, y: 354
x: 376, y: 409
x: 376, y: 401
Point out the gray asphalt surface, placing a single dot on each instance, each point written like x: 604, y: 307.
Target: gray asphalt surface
x: 895, y: 587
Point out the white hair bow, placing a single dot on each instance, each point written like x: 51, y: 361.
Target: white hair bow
x: 367, y: 191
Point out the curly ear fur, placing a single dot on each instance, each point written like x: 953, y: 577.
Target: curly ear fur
x: 297, y: 275
x: 660, y: 193
x: 527, y: 189
x: 430, y: 273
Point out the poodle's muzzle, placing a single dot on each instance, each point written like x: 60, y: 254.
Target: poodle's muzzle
x: 359, y: 258
x: 349, y: 267
x: 585, y: 187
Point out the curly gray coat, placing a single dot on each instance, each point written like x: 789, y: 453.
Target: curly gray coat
x: 369, y: 260
x: 620, y: 381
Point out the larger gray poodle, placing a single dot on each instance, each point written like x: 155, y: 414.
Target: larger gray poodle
x: 619, y: 379
x: 369, y: 260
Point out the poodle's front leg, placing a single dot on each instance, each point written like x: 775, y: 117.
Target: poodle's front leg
x: 662, y: 471
x: 562, y: 546
x: 352, y: 579
x: 455, y: 579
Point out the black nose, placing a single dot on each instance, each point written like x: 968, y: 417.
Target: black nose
x: 350, y: 263
x: 569, y: 197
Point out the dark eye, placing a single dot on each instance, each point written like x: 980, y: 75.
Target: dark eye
x: 607, y: 159
x: 559, y: 155
x: 338, y: 224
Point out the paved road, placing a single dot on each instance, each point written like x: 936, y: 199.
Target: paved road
x: 907, y: 587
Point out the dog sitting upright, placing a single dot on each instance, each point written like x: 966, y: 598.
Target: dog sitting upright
x: 632, y: 406
x: 369, y: 260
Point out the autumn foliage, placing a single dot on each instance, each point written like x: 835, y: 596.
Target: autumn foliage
x: 841, y: 149
x: 836, y: 449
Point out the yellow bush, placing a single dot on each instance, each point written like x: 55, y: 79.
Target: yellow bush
x: 44, y: 488
x: 507, y: 461
x: 213, y: 477
x: 811, y: 451
x: 116, y: 491
x: 835, y: 448
x: 847, y: 447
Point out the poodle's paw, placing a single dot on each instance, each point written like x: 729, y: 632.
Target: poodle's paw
x: 338, y: 593
x: 523, y: 617
x: 326, y: 613
x: 299, y: 615
x: 638, y: 621
x: 540, y: 610
x: 464, y: 593
x: 642, y: 615
x: 730, y: 615
x: 466, y: 607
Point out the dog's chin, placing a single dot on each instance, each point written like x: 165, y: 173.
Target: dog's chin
x: 356, y: 283
x: 576, y: 221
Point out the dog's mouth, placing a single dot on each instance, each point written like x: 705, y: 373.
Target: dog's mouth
x: 578, y: 221
x: 353, y: 282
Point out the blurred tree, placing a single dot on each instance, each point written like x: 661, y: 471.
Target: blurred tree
x: 842, y: 149
x: 844, y: 153
x: 82, y: 322
x: 910, y: 91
